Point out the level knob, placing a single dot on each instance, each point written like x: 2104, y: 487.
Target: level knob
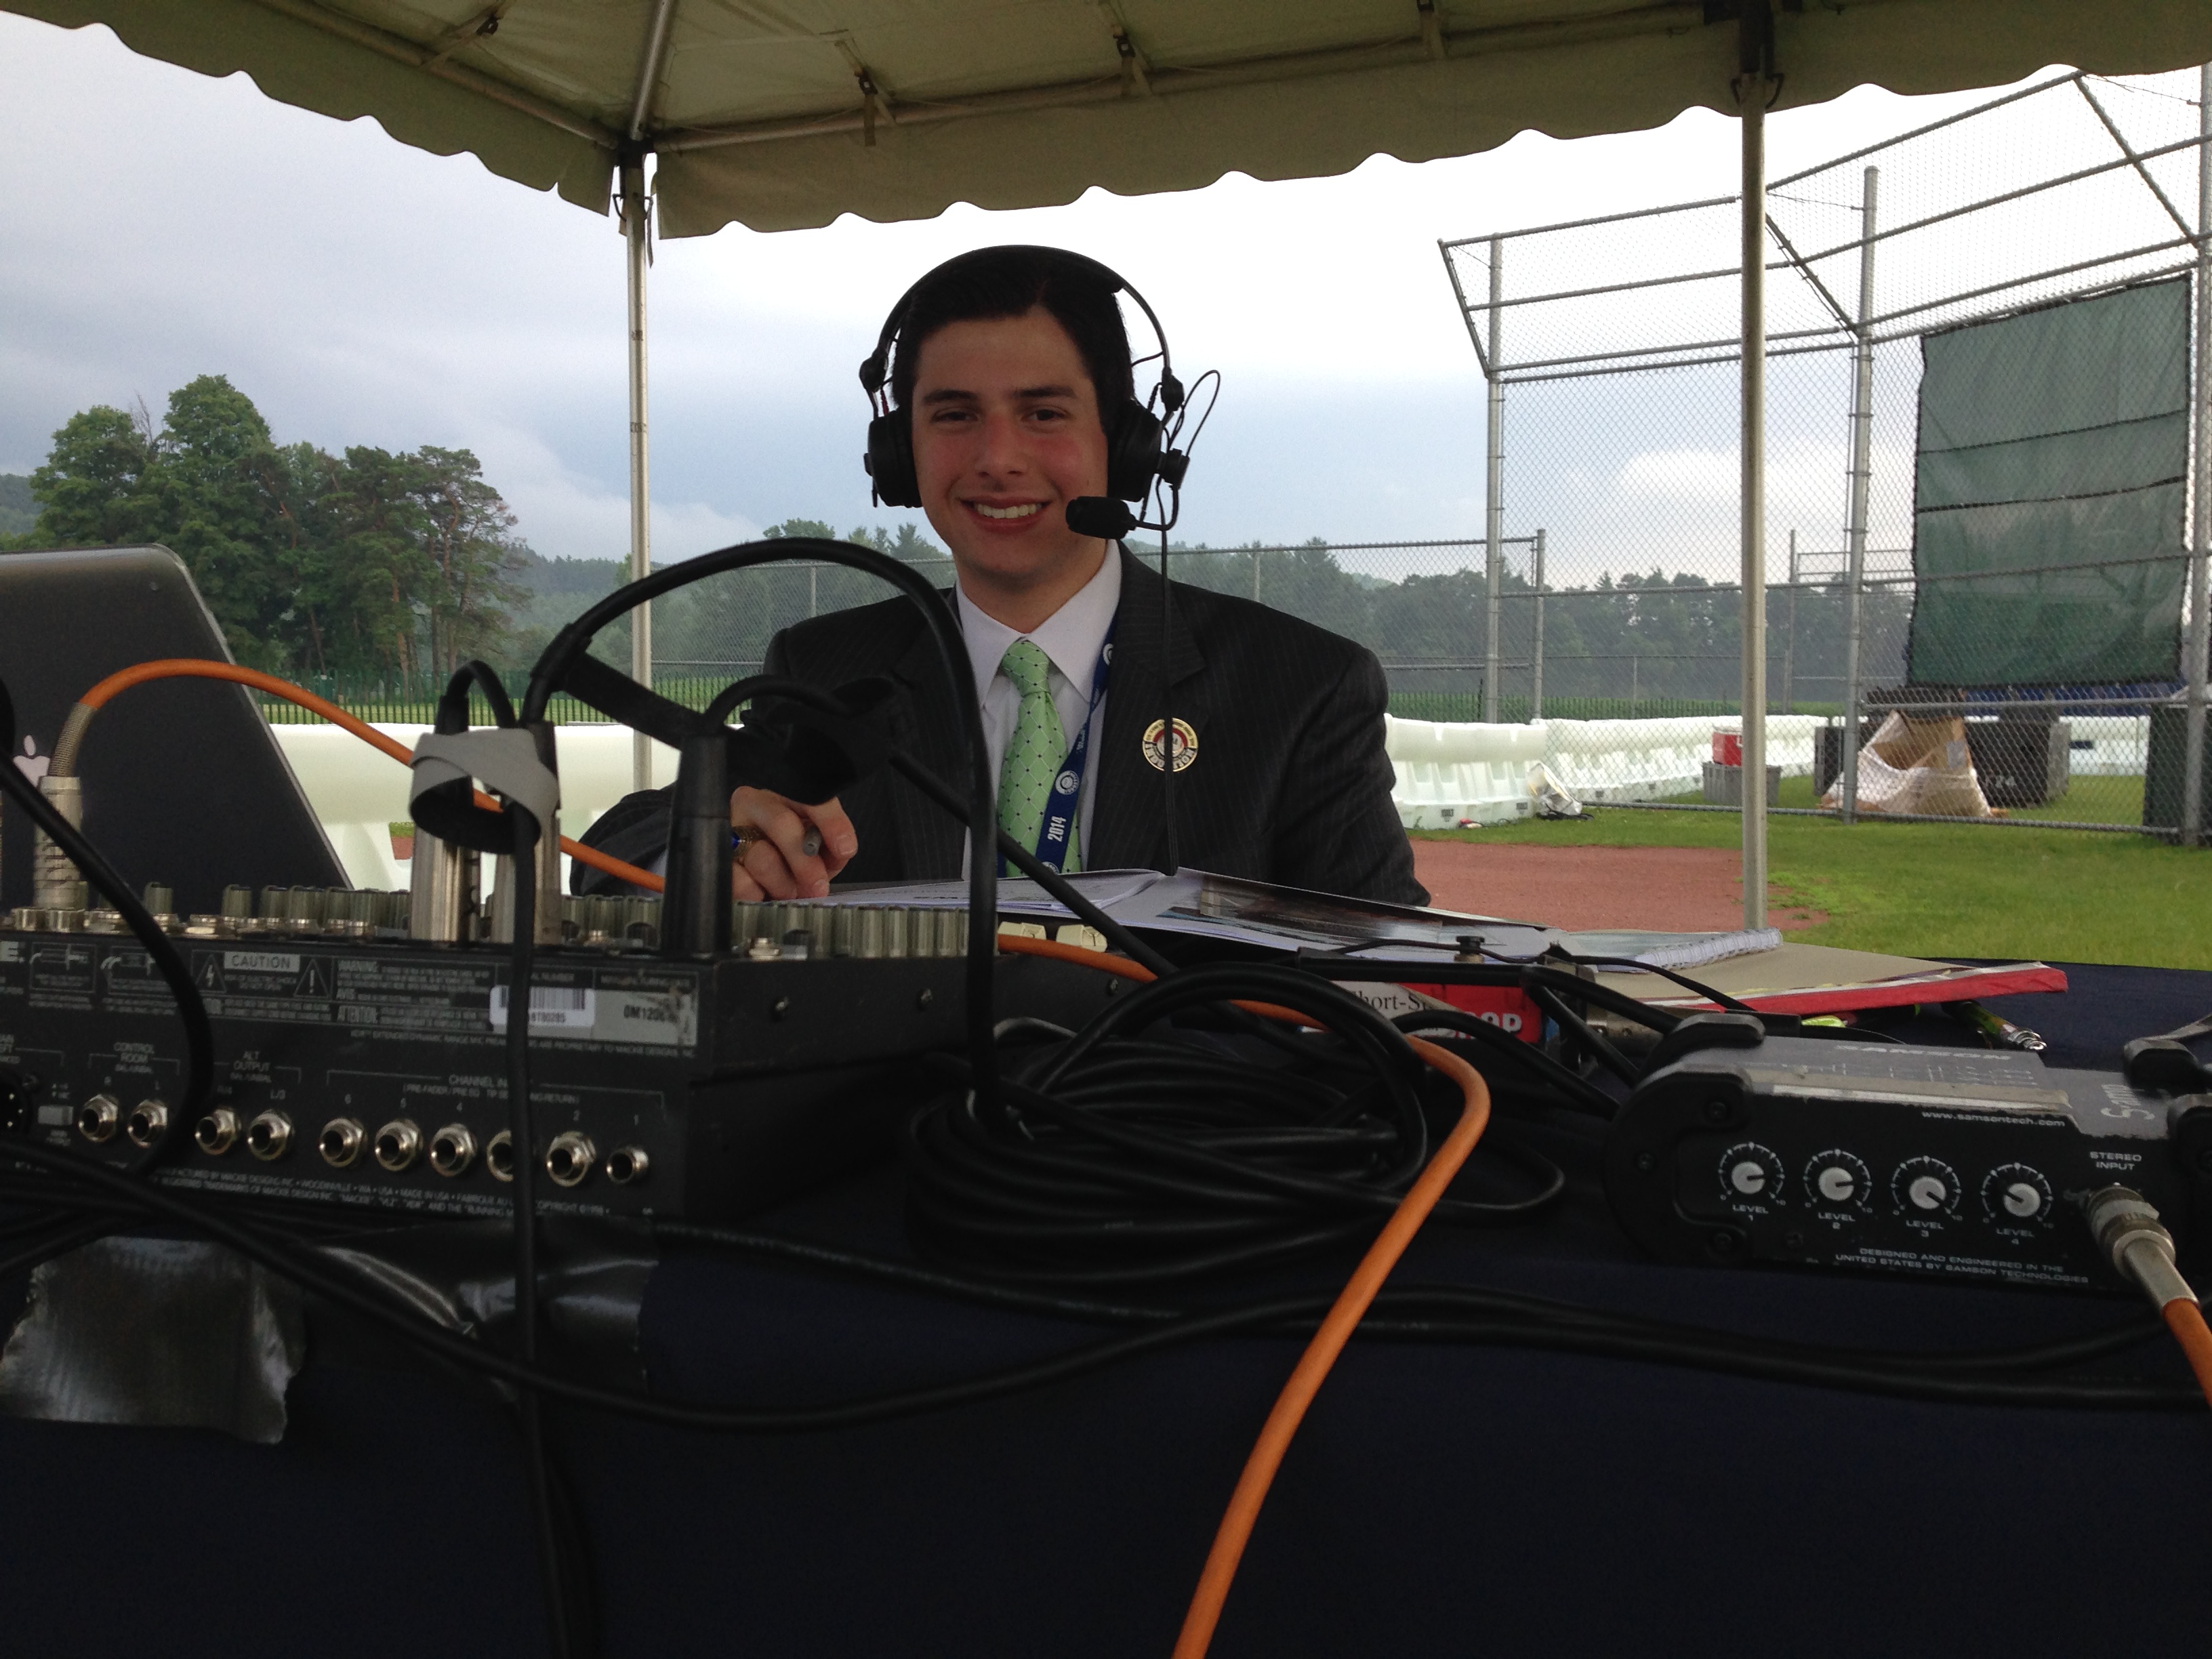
x: 2014, y: 1194
x: 1926, y: 1186
x: 1751, y: 1172
x: 1837, y: 1180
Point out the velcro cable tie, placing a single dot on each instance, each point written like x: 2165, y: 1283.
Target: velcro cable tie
x: 502, y: 760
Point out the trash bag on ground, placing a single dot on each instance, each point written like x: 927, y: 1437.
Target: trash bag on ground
x: 1917, y: 768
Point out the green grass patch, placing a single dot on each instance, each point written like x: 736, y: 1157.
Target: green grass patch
x: 1935, y: 889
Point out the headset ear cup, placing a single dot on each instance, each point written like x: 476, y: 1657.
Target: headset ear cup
x: 890, y: 459
x: 1132, y: 454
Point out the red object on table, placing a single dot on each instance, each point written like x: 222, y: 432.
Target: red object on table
x: 1728, y: 747
x: 1502, y: 1006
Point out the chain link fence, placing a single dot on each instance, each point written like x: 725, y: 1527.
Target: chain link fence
x: 1917, y: 292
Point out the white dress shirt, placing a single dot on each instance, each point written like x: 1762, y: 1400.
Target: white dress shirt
x: 1071, y: 638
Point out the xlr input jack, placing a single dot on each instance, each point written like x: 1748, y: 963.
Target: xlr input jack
x: 498, y: 1155
x: 98, y: 1119
x: 268, y: 1137
x: 217, y: 1133
x: 626, y: 1164
x: 398, y: 1143
x: 452, y: 1148
x: 147, y: 1122
x: 569, y: 1160
x: 341, y: 1141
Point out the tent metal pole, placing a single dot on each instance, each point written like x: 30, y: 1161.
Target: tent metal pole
x: 637, y: 236
x: 1753, y: 90
x: 635, y: 211
x: 1493, y: 488
x: 1847, y: 796
x: 2192, y: 767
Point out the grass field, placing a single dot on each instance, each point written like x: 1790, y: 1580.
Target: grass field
x: 1945, y: 890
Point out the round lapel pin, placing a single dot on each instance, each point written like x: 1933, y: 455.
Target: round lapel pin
x: 1186, y: 746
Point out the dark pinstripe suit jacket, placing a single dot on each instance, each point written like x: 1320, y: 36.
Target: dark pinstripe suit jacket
x: 1289, y: 782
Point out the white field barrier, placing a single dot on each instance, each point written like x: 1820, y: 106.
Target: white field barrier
x: 358, y: 794
x: 2109, y: 745
x: 1446, y: 772
x: 1455, y: 773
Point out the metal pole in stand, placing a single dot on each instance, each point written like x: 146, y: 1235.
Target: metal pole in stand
x: 1494, y: 485
x: 1847, y: 795
x: 1754, y: 86
x: 637, y: 235
x: 2192, y: 766
x: 636, y: 210
x: 1536, y: 651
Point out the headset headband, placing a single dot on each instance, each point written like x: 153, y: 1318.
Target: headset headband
x: 876, y: 368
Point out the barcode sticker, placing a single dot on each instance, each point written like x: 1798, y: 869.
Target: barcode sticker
x: 570, y: 1007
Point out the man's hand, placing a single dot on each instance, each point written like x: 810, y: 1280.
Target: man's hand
x: 778, y: 866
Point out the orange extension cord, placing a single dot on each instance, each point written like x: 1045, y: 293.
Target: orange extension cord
x: 1344, y: 1316
x: 2186, y: 1321
x: 171, y: 668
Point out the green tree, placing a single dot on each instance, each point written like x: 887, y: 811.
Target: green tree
x: 95, y: 488
x: 374, y: 560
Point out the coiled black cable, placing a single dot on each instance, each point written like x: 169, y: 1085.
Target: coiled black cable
x: 1122, y: 1157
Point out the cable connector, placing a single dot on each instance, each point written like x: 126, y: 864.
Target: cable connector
x: 2126, y: 1227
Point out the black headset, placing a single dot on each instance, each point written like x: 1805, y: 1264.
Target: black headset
x: 1137, y: 453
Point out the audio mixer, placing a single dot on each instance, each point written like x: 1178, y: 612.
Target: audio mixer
x: 1946, y: 1163
x: 356, y: 1065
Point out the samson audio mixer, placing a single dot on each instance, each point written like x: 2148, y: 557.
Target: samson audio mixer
x: 1942, y: 1163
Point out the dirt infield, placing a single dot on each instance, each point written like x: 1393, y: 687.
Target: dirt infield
x: 1679, y: 889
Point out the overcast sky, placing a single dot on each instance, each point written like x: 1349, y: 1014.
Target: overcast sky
x: 163, y: 224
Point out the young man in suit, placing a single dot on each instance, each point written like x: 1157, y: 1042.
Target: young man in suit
x: 1012, y: 378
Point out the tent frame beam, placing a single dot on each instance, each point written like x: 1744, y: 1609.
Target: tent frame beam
x: 432, y: 60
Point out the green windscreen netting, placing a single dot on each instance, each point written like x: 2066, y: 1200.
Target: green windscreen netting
x: 2050, y: 495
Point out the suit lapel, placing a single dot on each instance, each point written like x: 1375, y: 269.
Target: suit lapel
x: 1129, y: 831
x: 927, y: 726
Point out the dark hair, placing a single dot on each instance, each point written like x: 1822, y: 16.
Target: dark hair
x: 1011, y: 282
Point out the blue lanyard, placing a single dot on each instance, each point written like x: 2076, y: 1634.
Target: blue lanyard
x: 1056, y: 832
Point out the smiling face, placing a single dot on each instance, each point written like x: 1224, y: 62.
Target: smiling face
x: 1007, y: 432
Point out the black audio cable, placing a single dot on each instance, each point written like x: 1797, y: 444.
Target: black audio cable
x: 574, y: 640
x: 191, y: 1011
x: 1120, y: 1158
x: 565, y: 1563
x: 1427, y: 1313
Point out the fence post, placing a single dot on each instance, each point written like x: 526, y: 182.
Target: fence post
x: 1256, y: 575
x: 1847, y: 777
x: 2192, y: 767
x: 1753, y: 88
x: 1536, y: 650
x: 813, y: 589
x: 1494, y: 492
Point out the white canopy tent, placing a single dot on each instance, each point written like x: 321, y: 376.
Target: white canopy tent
x: 781, y: 114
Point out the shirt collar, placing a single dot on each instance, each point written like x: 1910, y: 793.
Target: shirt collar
x: 1071, y: 637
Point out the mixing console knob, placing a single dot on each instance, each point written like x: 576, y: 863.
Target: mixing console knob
x: 1751, y: 1171
x: 1926, y: 1186
x: 1838, y: 1181
x: 2013, y: 1193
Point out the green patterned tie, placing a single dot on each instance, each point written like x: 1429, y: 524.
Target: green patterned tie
x: 1035, y: 753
